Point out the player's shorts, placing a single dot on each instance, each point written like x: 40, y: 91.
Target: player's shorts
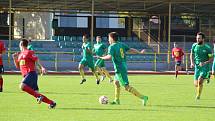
x: 100, y: 63
x: 122, y: 77
x: 178, y: 63
x: 1, y: 69
x: 88, y: 63
x: 203, y: 72
x: 31, y: 80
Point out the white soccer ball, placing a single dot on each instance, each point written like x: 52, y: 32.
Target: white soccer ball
x: 103, y: 100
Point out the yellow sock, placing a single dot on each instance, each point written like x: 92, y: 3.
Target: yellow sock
x: 81, y: 73
x: 107, y: 73
x: 199, y: 90
x: 99, y: 70
x: 135, y: 92
x: 96, y: 75
x: 117, y: 93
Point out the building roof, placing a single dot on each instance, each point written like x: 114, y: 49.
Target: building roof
x: 200, y: 7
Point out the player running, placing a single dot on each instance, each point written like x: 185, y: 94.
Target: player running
x: 25, y: 61
x: 100, y: 50
x: 177, y: 54
x: 213, y: 66
x: 117, y: 52
x: 87, y: 60
x: 200, y: 57
x: 2, y: 51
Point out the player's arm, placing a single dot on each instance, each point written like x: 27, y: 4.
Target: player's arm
x: 43, y: 70
x: 15, y: 59
x: 173, y: 55
x: 89, y: 51
x: 191, y: 60
x: 208, y: 61
x: 107, y: 57
x: 135, y: 51
x: 182, y: 53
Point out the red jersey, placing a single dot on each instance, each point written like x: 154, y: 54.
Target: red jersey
x: 177, y: 53
x: 27, y: 61
x: 2, y: 49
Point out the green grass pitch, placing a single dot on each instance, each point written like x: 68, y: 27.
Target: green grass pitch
x: 169, y: 100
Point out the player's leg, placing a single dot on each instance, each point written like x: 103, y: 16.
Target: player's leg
x: 204, y: 74
x: 124, y: 82
x: 1, y: 78
x: 105, y: 71
x: 177, y: 68
x: 92, y: 68
x: 99, y: 70
x: 116, y: 93
x: 99, y: 64
x: 176, y: 72
x: 81, y: 70
x: 25, y: 86
x: 197, y: 79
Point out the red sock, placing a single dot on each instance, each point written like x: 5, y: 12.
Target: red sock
x: 1, y: 83
x: 30, y: 91
x: 46, y: 100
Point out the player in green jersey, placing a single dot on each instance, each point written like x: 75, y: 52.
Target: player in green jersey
x: 87, y: 60
x: 117, y: 52
x: 213, y: 66
x: 30, y: 46
x: 100, y: 50
x: 200, y: 57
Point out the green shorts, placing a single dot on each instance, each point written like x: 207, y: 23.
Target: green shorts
x: 88, y: 63
x: 100, y: 63
x: 122, y: 77
x: 203, y: 72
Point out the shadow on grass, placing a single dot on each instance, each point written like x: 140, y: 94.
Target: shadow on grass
x: 107, y: 109
x: 186, y: 106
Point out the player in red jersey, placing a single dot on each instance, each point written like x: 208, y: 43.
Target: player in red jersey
x: 25, y: 60
x: 177, y: 54
x: 2, y: 51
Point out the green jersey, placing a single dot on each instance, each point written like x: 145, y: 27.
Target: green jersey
x: 213, y: 66
x: 118, y: 53
x: 99, y: 49
x: 30, y: 47
x: 201, y: 53
x: 86, y: 54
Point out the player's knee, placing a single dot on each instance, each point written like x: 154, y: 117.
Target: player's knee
x: 80, y: 67
x: 21, y: 86
x: 116, y: 83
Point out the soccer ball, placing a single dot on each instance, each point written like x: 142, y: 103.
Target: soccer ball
x: 103, y: 100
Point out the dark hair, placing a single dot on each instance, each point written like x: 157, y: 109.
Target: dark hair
x: 24, y: 42
x: 114, y: 36
x: 85, y: 35
x: 202, y: 34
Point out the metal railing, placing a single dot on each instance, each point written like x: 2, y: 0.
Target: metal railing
x: 68, y: 61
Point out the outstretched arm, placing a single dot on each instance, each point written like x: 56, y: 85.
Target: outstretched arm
x: 135, y: 51
x: 107, y: 57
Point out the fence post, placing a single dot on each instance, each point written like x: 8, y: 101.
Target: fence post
x: 56, y: 61
x: 155, y: 61
x: 168, y: 59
